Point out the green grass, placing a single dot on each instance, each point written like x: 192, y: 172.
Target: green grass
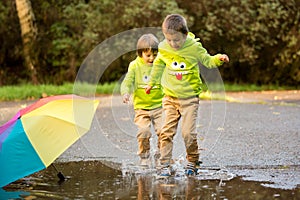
x: 244, y: 87
x: 253, y: 87
x: 31, y: 92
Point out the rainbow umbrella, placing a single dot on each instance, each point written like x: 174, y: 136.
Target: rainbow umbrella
x: 40, y: 133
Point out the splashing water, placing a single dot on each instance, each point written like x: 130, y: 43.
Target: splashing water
x: 178, y: 168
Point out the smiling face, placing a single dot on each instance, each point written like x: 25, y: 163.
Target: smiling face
x: 175, y: 40
x: 148, y: 57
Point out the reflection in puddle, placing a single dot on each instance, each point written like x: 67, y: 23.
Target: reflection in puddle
x: 94, y: 180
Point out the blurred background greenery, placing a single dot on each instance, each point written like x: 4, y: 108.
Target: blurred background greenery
x: 45, y: 42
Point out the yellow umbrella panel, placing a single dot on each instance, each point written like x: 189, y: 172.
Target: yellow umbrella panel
x: 54, y: 127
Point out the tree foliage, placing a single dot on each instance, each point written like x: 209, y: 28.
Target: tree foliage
x: 261, y: 37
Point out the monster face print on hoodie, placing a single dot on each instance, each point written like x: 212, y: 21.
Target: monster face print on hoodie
x: 137, y: 79
x: 178, y: 67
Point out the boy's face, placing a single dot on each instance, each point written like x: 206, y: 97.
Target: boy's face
x: 175, y: 40
x: 148, y: 57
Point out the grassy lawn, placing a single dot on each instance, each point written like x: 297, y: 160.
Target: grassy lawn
x: 31, y: 92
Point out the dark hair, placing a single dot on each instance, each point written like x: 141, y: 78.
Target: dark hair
x: 145, y: 43
x: 175, y: 23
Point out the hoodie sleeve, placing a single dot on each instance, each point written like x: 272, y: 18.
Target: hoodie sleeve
x: 157, y: 70
x: 129, y: 79
x: 206, y: 59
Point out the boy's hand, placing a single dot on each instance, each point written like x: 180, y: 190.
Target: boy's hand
x: 147, y: 89
x: 224, y: 58
x: 126, y: 98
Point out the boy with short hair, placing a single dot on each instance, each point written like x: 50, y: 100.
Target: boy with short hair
x: 177, y: 66
x: 147, y: 107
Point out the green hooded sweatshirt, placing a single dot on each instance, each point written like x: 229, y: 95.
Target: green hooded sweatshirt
x: 137, y: 78
x: 178, y: 69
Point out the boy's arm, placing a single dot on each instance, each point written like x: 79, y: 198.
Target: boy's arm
x: 127, y: 83
x: 156, y: 73
x: 211, y: 61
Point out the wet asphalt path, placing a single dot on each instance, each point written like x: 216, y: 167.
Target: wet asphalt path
x: 257, y: 140
x: 230, y: 134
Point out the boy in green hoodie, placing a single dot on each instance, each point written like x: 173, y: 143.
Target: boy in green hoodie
x: 147, y: 107
x: 176, y: 65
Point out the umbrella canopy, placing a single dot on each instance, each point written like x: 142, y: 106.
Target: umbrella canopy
x: 38, y: 134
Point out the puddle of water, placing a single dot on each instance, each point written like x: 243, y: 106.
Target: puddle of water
x: 94, y: 180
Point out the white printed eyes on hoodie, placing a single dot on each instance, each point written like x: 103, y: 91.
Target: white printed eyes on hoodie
x: 176, y: 65
x: 146, y: 78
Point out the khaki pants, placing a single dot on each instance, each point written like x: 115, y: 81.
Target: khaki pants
x: 143, y: 120
x: 176, y: 109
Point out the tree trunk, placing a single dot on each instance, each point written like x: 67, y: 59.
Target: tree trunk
x: 29, y: 32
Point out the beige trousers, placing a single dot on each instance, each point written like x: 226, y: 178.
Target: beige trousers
x: 143, y: 119
x: 176, y: 109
